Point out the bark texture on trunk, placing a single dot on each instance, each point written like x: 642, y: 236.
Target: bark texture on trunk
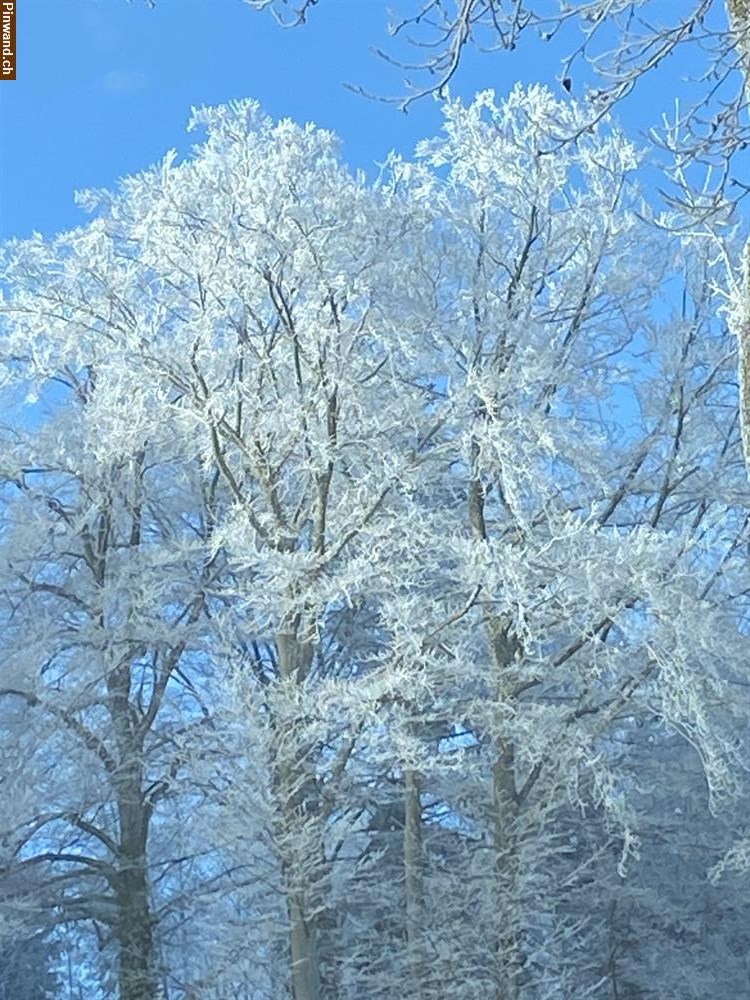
x: 295, y: 790
x: 506, y: 861
x: 738, y: 12
x: 303, y: 951
x: 138, y: 974
x: 743, y: 351
x: 503, y: 648
x: 138, y: 968
x: 413, y: 880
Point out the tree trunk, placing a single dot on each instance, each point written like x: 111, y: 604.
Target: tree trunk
x: 138, y: 967
x: 138, y: 977
x: 738, y: 12
x: 503, y: 648
x: 138, y: 973
x: 303, y: 952
x: 293, y: 785
x: 743, y: 351
x: 506, y: 860
x: 413, y: 879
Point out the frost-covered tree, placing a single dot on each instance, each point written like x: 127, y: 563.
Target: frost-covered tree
x: 416, y: 501
x: 615, y: 42
x: 104, y: 584
x: 608, y: 48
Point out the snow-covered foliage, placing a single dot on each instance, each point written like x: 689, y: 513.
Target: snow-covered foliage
x: 364, y: 547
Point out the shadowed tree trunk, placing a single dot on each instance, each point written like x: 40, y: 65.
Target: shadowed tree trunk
x: 413, y: 879
x: 138, y: 972
x: 293, y: 788
x: 138, y: 975
x: 503, y: 649
x: 137, y: 965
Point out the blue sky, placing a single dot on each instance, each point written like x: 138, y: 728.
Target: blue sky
x: 105, y: 87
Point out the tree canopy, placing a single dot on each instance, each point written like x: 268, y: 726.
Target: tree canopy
x: 370, y: 553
